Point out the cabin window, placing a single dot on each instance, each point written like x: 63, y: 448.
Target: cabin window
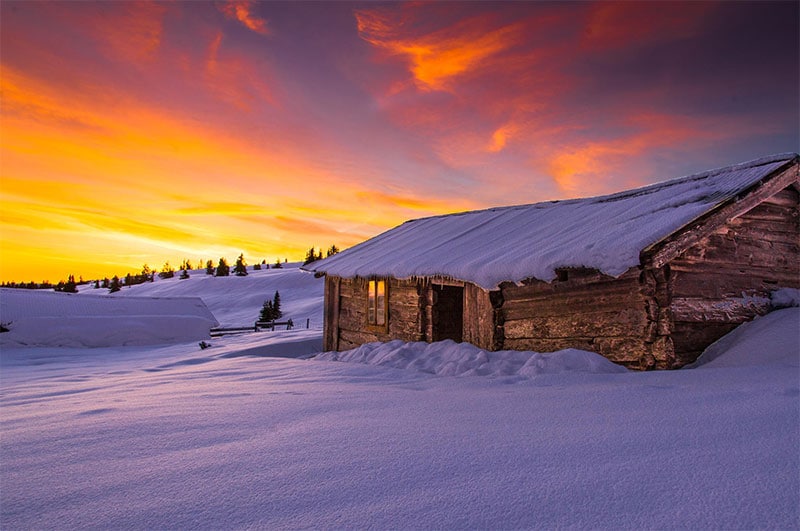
x: 376, y: 313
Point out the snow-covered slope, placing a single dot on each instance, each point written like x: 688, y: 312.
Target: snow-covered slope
x: 239, y: 436
x: 224, y: 438
x: 487, y: 247
x: 236, y: 301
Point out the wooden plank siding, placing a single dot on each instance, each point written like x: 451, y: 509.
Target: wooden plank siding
x: 615, y: 317
x: 725, y: 278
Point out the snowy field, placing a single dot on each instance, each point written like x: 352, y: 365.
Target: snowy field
x: 257, y: 432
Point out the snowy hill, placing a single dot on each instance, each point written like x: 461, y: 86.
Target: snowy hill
x: 236, y: 301
x: 259, y: 432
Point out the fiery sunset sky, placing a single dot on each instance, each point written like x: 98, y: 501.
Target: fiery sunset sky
x: 141, y: 132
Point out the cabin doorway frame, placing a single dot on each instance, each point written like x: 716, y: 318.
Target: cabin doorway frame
x: 447, y: 312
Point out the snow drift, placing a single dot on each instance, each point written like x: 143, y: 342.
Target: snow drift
x: 41, y: 318
x: 448, y: 358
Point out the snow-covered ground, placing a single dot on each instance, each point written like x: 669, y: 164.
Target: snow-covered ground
x: 256, y: 432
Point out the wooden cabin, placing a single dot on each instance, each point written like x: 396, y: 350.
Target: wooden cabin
x: 647, y: 278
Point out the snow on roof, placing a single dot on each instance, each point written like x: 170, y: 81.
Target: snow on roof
x: 487, y: 247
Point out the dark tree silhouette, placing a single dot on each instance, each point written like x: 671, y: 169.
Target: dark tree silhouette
x: 240, y: 269
x: 223, y: 269
x: 276, y: 306
x: 114, y: 286
x: 267, y: 312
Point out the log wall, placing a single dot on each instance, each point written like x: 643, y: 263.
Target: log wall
x: 725, y: 279
x: 615, y: 317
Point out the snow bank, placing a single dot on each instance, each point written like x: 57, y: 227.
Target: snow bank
x: 237, y: 301
x: 448, y: 358
x: 41, y: 318
x: 785, y: 298
x: 487, y: 247
x: 771, y: 339
x: 95, y: 331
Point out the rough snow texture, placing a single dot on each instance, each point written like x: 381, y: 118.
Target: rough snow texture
x: 487, y: 247
x: 233, y: 437
x: 44, y: 318
x: 448, y: 358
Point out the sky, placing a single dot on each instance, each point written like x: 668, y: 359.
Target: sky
x: 146, y: 132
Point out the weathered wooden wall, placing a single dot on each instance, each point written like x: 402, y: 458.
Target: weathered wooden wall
x: 588, y: 310
x: 725, y: 279
x: 406, y: 316
x: 483, y: 319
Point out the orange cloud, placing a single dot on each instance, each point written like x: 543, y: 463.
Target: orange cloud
x: 622, y: 24
x: 234, y: 79
x: 438, y: 57
x: 241, y: 10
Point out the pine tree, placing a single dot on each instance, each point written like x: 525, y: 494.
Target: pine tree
x: 167, y: 271
x: 267, y: 312
x: 210, y: 268
x: 256, y: 267
x: 332, y: 250
x: 310, y: 256
x: 114, y: 286
x: 223, y: 269
x: 184, y: 275
x: 276, y: 306
x: 278, y: 264
x: 240, y: 269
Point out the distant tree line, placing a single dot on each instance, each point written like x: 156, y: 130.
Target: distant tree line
x: 313, y: 256
x: 116, y: 283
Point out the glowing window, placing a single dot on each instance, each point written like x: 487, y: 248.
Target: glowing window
x: 376, y: 313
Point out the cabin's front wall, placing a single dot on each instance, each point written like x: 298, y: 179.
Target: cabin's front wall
x: 726, y: 278
x: 346, y: 313
x: 614, y: 317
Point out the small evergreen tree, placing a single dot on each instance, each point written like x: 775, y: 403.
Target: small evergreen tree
x: 276, y: 306
x: 310, y: 256
x: 210, y: 268
x: 106, y: 283
x: 167, y: 271
x: 114, y: 286
x: 184, y: 275
x: 332, y: 250
x: 256, y: 267
x: 96, y: 284
x: 240, y: 269
x: 267, y: 311
x: 278, y: 264
x: 223, y: 269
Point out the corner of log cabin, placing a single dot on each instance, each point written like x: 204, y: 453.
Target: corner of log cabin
x: 726, y: 277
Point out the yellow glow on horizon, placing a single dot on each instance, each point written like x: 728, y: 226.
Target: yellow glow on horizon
x: 114, y: 183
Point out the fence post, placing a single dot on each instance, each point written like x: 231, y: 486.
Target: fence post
x: 307, y: 322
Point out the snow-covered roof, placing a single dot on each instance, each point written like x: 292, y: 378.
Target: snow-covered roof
x: 487, y: 247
